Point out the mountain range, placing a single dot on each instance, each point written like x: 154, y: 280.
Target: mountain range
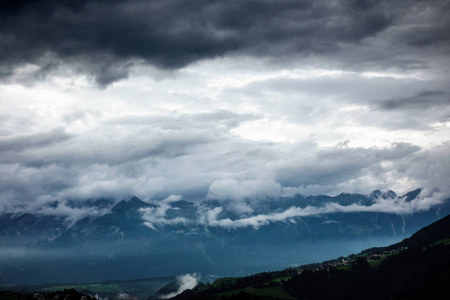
x: 132, y: 238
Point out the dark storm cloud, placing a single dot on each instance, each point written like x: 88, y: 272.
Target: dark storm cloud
x: 421, y: 100
x: 431, y: 30
x: 106, y: 38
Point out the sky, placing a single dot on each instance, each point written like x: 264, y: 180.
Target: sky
x: 222, y: 99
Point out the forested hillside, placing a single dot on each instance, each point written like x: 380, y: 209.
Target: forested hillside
x: 417, y: 268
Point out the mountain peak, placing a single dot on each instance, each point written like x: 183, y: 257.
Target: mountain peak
x: 375, y: 194
x: 385, y: 195
x: 390, y: 194
x: 133, y: 203
x: 181, y: 204
x: 412, y: 195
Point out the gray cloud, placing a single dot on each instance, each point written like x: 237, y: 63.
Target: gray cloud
x: 105, y: 39
x: 140, y: 158
x: 219, y: 118
x: 422, y: 100
x: 132, y: 148
x: 209, y: 163
x: 338, y: 165
x: 27, y: 141
x: 428, y: 168
x: 382, y: 101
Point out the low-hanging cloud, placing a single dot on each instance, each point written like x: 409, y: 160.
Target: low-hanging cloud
x: 397, y: 205
x: 214, y: 169
x: 185, y: 282
x: 155, y: 217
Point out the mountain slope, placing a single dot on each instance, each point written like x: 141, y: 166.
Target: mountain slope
x: 439, y: 230
x: 420, y: 272
x: 29, y: 230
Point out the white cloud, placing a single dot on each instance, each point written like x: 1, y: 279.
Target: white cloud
x: 155, y: 217
x: 173, y: 198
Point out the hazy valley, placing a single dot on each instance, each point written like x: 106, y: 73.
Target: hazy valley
x: 132, y: 238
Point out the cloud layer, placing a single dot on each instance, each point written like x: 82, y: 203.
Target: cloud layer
x: 397, y: 205
x: 221, y: 100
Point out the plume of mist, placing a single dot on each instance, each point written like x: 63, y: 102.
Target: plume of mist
x: 125, y: 296
x: 185, y: 282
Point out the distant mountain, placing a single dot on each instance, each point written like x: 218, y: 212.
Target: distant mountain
x: 133, y: 238
x: 123, y: 222
x: 29, y: 230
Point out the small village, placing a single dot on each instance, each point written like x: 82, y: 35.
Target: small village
x: 345, y: 263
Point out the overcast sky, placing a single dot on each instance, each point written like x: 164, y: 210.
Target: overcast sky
x: 222, y: 99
